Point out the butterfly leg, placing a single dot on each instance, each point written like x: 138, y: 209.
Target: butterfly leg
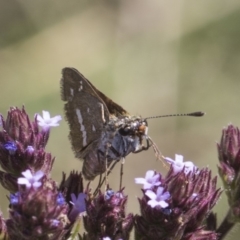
x: 109, y: 165
x: 145, y: 148
x: 121, y: 174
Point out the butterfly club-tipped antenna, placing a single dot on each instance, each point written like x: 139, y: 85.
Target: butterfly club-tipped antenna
x: 158, y: 153
x: 193, y: 114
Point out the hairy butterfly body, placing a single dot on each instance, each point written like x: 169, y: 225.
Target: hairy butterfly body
x: 100, y: 129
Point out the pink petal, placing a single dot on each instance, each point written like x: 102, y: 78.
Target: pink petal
x: 46, y: 115
x: 22, y: 181
x: 56, y: 119
x: 37, y: 184
x: 165, y: 196
x: 163, y: 204
x: 152, y: 203
x: 178, y: 158
x: 27, y: 174
x: 140, y: 180
x: 73, y: 197
x: 150, y: 194
x: 38, y: 175
x: 149, y: 174
x: 159, y: 191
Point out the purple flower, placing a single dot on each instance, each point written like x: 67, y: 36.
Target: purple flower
x: 14, y: 198
x: 107, y: 217
x: 178, y: 165
x: 46, y: 121
x: 31, y: 180
x: 108, y: 194
x: 36, y: 214
x: 30, y: 149
x: 11, y: 147
x: 55, y: 223
x: 158, y: 199
x: 151, y: 179
x: 79, y: 205
x: 60, y: 199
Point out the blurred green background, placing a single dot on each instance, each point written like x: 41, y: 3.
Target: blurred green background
x: 152, y: 57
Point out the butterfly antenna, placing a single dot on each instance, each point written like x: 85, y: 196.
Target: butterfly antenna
x: 193, y: 114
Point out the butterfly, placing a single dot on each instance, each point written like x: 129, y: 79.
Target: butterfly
x: 101, y: 131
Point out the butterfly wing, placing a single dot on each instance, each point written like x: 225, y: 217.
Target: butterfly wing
x: 85, y: 111
x: 113, y: 107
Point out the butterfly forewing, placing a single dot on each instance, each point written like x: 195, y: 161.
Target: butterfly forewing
x: 113, y: 107
x: 86, y: 113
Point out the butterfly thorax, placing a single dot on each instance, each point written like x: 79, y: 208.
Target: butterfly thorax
x: 122, y: 135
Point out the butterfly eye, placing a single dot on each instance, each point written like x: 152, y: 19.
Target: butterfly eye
x: 124, y: 131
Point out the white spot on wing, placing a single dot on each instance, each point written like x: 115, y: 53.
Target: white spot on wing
x: 82, y: 127
x: 71, y: 91
x: 81, y: 87
x: 93, y: 128
x: 102, y: 109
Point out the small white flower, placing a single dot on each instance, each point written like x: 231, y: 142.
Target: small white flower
x: 46, y: 121
x: 106, y: 238
x: 151, y: 179
x: 158, y: 199
x: 178, y: 164
x: 31, y: 180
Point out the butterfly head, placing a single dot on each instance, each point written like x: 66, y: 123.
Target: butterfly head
x: 134, y: 127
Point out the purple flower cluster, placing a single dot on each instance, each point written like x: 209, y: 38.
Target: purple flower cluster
x: 177, y: 206
x: 229, y: 171
x: 39, y: 209
x: 106, y: 218
x: 172, y: 207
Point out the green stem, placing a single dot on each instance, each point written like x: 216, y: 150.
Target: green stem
x: 225, y: 226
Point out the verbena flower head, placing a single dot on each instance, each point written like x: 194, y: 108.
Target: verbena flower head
x: 178, y: 207
x: 151, y: 179
x: 35, y: 210
x: 229, y: 168
x: 106, y: 217
x: 22, y: 146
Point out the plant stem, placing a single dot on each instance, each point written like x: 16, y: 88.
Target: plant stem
x: 225, y: 226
